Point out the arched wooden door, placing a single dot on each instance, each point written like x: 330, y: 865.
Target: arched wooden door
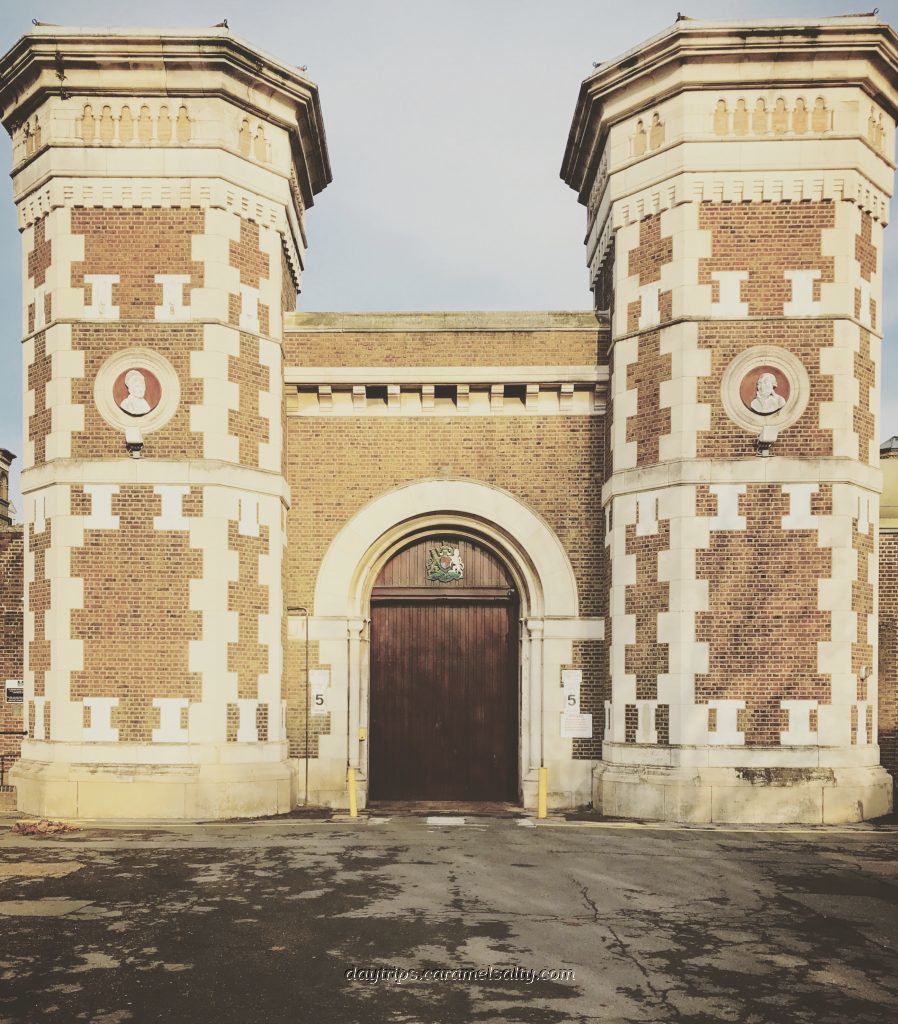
x: 444, y: 675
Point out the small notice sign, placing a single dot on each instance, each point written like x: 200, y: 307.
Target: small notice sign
x: 15, y: 691
x: 576, y: 726
x: 319, y: 681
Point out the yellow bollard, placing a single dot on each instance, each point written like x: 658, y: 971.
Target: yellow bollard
x: 353, y: 802
x: 542, y: 804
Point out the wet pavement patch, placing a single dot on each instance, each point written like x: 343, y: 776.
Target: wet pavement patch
x: 41, y: 908
x: 38, y: 869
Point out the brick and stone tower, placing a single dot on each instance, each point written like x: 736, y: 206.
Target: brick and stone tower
x: 161, y: 180
x: 6, y: 460
x: 11, y: 537
x: 737, y: 178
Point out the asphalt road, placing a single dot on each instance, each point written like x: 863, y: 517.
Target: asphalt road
x: 263, y: 921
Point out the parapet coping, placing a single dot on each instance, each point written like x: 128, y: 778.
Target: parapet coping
x: 746, y: 26
x: 444, y: 320
x: 120, y: 35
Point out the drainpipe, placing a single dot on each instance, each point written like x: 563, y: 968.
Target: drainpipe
x: 536, y: 665
x: 304, y: 612
x: 353, y: 640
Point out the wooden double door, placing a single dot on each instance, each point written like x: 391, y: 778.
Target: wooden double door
x: 444, y: 706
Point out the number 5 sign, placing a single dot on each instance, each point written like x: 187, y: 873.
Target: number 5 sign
x: 319, y: 681
x: 573, y: 724
x: 571, y: 678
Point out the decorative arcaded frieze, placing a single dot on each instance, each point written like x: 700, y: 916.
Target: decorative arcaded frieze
x: 27, y: 138
x: 144, y: 124
x: 251, y: 141
x: 648, y: 134
x: 160, y: 121
x: 750, y: 117
x: 754, y: 116
x: 148, y: 123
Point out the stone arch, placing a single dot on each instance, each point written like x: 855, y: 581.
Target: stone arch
x: 536, y: 556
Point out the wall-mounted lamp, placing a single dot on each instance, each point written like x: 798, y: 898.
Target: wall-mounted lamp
x: 765, y: 440
x: 133, y: 442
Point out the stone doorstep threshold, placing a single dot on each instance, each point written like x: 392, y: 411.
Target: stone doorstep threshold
x: 433, y: 808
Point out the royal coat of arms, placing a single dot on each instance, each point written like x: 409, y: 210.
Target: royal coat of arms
x: 445, y: 564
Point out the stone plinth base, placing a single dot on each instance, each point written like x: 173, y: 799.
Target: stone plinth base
x: 327, y: 784
x: 569, y: 786
x: 70, y: 790
x: 810, y: 796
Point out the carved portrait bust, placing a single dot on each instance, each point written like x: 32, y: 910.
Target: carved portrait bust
x: 137, y: 391
x: 765, y: 390
x: 766, y: 399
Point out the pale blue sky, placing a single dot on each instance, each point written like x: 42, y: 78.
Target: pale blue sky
x: 446, y: 123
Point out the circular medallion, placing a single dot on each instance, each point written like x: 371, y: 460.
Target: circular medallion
x: 765, y: 390
x: 137, y: 387
x: 765, y: 385
x: 137, y: 391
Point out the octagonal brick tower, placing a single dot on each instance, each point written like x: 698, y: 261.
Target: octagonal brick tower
x: 161, y: 180
x: 737, y: 178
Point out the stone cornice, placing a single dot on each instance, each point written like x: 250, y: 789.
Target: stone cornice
x: 57, y: 61
x: 749, y: 470
x: 155, y: 472
x: 452, y: 320
x: 347, y: 375
x: 694, y: 54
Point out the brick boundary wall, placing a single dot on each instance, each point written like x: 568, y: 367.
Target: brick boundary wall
x: 11, y: 611
x: 888, y: 652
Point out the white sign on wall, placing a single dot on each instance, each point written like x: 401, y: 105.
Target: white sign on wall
x: 15, y: 691
x: 573, y: 725
x: 571, y: 678
x: 319, y: 682
x: 576, y: 726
